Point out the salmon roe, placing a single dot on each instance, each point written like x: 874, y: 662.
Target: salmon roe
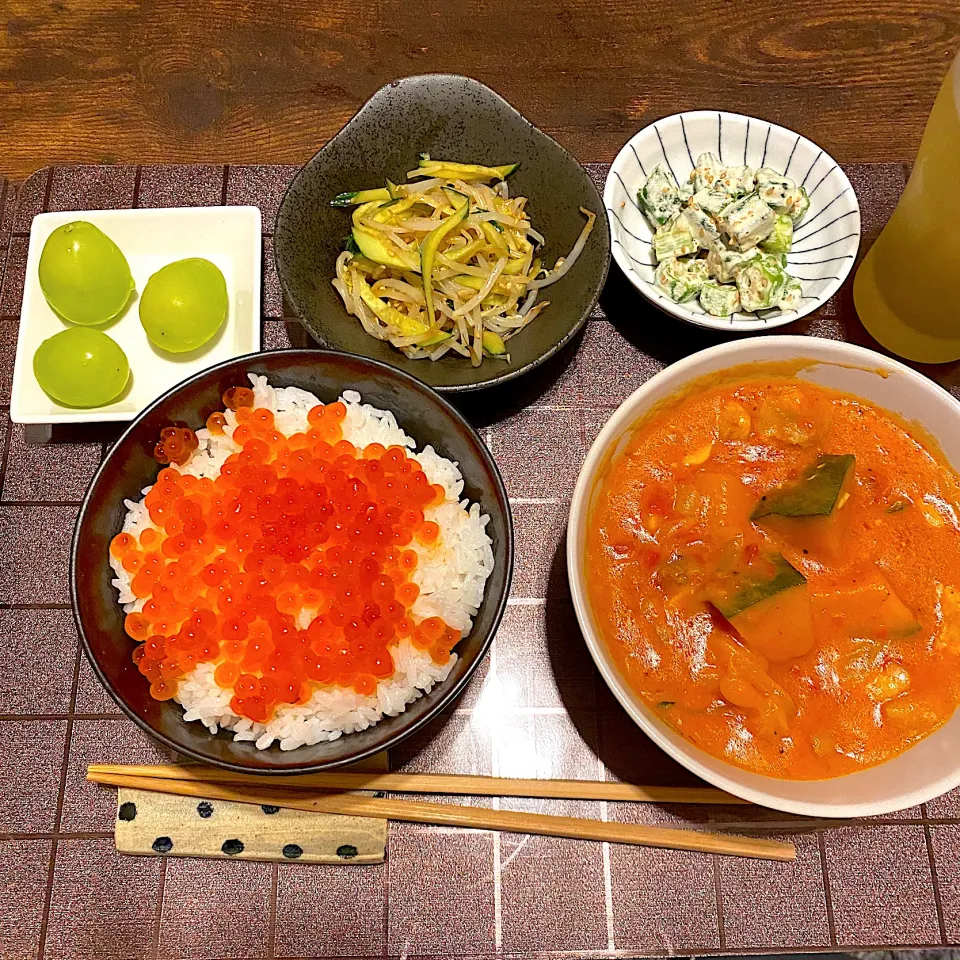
x: 288, y: 572
x: 176, y: 445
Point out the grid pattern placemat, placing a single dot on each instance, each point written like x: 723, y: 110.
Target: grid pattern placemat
x: 536, y: 708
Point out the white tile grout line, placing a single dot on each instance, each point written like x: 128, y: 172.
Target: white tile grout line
x: 519, y: 712
x: 497, y: 892
x: 495, y: 768
x: 607, y: 887
x: 450, y: 831
x: 526, y: 601
x: 607, y: 878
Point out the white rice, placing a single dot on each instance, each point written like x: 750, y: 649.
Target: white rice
x: 451, y: 575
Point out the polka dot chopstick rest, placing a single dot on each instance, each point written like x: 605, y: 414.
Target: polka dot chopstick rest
x: 162, y: 824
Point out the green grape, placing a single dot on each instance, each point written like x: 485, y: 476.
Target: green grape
x: 184, y: 304
x: 84, y: 274
x: 80, y: 367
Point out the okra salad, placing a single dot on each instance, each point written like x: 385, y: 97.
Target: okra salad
x: 724, y: 235
x: 447, y: 263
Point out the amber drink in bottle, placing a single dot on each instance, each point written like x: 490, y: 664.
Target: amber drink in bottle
x: 905, y: 289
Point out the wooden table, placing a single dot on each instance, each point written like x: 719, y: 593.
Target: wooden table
x: 171, y: 83
x: 219, y: 81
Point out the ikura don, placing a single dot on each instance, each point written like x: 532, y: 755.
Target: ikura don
x: 297, y: 570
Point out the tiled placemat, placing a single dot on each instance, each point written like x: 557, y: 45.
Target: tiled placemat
x: 536, y: 708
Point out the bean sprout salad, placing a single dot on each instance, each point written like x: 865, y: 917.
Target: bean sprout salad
x: 446, y: 263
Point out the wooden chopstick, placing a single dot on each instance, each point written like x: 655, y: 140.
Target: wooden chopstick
x: 453, y: 815
x: 459, y: 784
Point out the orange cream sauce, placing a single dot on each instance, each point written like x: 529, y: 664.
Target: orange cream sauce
x: 674, y: 508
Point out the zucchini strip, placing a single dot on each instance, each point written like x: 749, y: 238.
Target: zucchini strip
x: 428, y: 254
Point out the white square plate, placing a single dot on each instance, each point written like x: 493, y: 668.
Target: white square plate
x: 227, y: 236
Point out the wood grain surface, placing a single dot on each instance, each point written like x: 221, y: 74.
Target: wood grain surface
x: 252, y: 82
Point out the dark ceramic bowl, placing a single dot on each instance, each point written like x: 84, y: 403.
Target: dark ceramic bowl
x: 129, y: 466
x: 451, y: 118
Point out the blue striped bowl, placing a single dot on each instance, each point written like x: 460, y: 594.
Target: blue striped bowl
x: 826, y: 240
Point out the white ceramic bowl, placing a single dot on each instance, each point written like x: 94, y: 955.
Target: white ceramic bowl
x: 927, y: 769
x: 826, y: 240
x: 230, y: 237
